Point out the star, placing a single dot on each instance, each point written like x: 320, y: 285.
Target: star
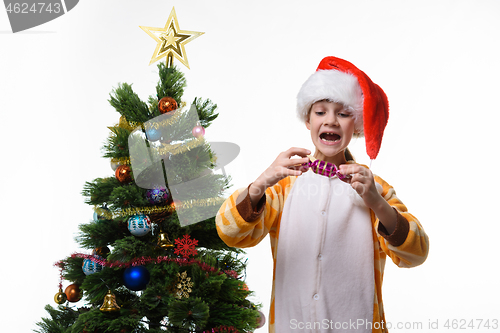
x: 171, y: 40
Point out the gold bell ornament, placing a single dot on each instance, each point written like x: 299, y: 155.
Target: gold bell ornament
x: 109, y: 304
x: 60, y: 297
x: 163, y: 240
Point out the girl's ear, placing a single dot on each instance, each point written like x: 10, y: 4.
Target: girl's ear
x: 308, y: 124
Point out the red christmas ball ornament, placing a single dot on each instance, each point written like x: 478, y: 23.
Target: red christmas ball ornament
x: 124, y: 174
x: 167, y: 104
x: 198, y: 131
x: 73, y: 293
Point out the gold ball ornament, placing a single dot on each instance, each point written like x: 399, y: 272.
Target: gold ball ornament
x: 60, y: 297
x: 167, y: 104
x: 73, y: 293
x: 124, y: 174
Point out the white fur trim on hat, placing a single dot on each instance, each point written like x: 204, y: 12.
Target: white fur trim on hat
x: 334, y: 86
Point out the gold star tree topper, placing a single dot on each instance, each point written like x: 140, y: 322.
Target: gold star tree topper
x: 171, y: 40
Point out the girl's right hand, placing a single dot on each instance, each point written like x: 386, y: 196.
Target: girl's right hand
x: 282, y: 167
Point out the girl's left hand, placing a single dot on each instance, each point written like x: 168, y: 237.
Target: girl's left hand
x: 362, y: 181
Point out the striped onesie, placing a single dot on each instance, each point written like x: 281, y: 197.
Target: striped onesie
x: 329, y: 265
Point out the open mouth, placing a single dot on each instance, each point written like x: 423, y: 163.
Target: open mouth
x: 329, y: 137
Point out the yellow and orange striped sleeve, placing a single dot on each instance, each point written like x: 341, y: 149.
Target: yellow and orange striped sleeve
x: 408, y: 245
x: 238, y: 225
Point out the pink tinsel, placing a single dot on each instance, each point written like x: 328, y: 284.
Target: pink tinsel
x: 60, y: 264
x: 148, y: 260
x: 222, y: 329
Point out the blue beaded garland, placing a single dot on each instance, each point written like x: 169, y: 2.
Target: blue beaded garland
x: 139, y: 224
x: 136, y: 278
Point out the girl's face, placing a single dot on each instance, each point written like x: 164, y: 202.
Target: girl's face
x: 331, y: 129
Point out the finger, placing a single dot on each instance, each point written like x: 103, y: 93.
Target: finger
x: 358, y: 178
x: 302, y: 152
x: 352, y: 169
x: 294, y: 172
x: 296, y: 163
x: 285, y: 172
x: 358, y: 187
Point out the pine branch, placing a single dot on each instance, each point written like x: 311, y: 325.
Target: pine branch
x: 171, y: 83
x: 128, y: 104
x: 206, y: 111
x: 117, y: 143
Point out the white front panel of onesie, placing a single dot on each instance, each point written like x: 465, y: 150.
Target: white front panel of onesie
x: 324, y: 271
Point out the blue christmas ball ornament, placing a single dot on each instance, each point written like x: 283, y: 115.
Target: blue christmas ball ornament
x: 136, y: 278
x: 158, y: 195
x: 139, y: 224
x: 90, y: 267
x: 153, y: 134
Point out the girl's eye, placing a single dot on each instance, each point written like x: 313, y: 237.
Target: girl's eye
x: 320, y: 113
x: 344, y: 114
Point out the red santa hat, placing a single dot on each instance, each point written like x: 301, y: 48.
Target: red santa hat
x: 339, y: 81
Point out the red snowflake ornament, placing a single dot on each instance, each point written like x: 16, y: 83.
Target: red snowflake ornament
x: 186, y: 246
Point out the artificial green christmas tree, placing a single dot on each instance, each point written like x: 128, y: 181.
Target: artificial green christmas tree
x: 155, y: 261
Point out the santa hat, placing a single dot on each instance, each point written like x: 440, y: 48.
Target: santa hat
x: 339, y: 81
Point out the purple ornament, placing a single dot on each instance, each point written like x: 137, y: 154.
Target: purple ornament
x: 198, y: 131
x: 157, y: 195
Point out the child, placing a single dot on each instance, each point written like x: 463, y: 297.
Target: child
x: 333, y: 235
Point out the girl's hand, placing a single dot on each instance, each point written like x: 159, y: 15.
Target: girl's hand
x: 282, y: 167
x: 363, y: 183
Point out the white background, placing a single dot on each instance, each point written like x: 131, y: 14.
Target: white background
x: 438, y: 62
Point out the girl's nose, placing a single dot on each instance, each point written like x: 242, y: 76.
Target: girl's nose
x: 331, y: 119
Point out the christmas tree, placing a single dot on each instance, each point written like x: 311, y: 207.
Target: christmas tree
x: 155, y: 261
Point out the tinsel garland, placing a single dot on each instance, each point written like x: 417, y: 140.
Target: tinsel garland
x: 131, y: 125
x: 148, y: 260
x: 61, y: 266
x: 180, y: 148
x: 159, y: 209
x: 121, y: 160
x: 174, y: 149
